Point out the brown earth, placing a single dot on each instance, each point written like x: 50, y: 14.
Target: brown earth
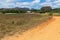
x: 41, y: 32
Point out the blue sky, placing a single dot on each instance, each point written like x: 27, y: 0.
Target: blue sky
x: 37, y: 4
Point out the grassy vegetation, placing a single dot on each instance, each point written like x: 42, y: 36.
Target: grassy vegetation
x: 13, y: 23
x: 55, y: 14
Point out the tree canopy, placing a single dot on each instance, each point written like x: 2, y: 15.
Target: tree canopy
x: 46, y: 9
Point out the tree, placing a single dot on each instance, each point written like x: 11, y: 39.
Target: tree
x: 46, y: 9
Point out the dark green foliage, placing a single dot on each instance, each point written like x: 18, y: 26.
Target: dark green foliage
x: 35, y: 10
x: 56, y: 10
x: 14, y: 10
x: 46, y: 9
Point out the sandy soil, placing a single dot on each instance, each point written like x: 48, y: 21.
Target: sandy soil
x: 49, y: 32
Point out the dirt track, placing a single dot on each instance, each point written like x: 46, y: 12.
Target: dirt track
x: 50, y: 32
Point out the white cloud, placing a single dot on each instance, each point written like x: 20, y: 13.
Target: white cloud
x: 57, y: 0
x: 48, y: 0
x: 36, y: 1
x: 8, y: 3
x: 54, y: 4
x: 27, y: 4
x: 47, y: 3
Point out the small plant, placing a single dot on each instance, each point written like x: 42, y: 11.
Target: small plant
x: 13, y: 22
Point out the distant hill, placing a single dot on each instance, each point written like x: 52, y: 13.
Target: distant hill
x: 14, y: 10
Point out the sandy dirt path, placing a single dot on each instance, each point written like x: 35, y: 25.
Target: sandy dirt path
x: 49, y: 32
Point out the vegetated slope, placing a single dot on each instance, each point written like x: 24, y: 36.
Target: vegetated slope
x: 19, y: 23
x: 50, y: 32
